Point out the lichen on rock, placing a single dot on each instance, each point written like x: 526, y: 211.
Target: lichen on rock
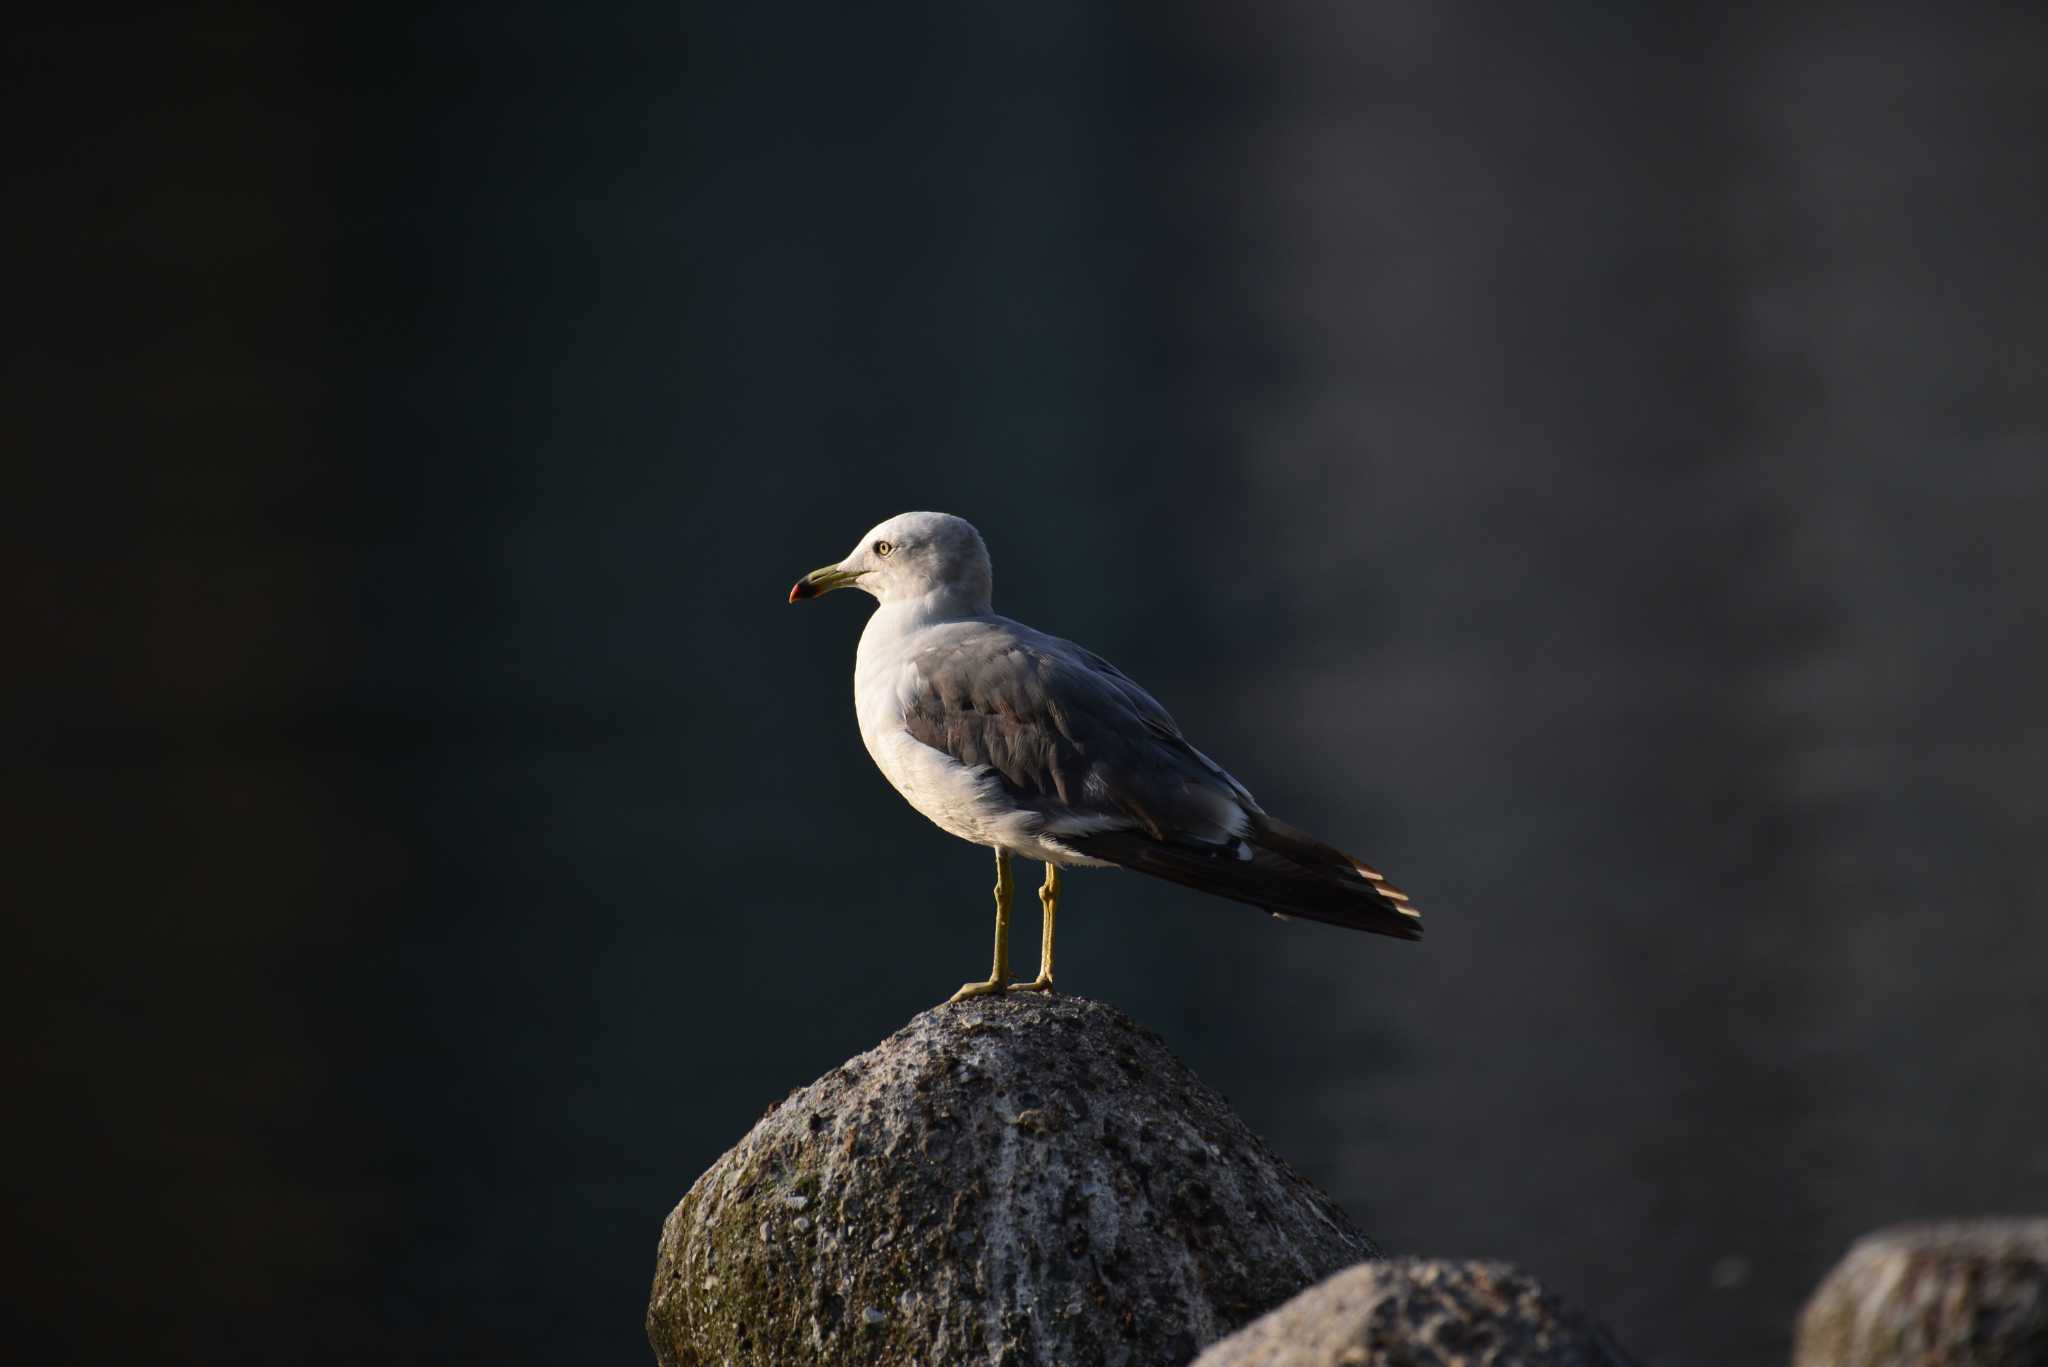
x: 1967, y: 1293
x: 1013, y: 1180
x: 1418, y: 1313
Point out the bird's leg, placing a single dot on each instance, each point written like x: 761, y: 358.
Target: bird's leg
x: 999, y: 976
x: 1049, y: 898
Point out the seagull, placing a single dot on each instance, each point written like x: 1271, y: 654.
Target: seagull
x: 1024, y: 742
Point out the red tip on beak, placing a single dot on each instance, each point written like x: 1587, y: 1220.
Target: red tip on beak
x: 799, y: 590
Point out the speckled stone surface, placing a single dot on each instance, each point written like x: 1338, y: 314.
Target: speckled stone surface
x: 1964, y: 1294
x: 1415, y: 1313
x: 1009, y: 1180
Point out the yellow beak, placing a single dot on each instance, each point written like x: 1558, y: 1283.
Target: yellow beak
x: 822, y: 581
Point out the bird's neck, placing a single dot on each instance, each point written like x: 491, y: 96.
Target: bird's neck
x: 894, y: 625
x: 929, y: 609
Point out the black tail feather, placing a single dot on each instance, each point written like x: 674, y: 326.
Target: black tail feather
x: 1274, y: 867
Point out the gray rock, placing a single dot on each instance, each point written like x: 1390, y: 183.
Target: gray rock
x: 1412, y: 1313
x: 1013, y: 1180
x: 1968, y: 1294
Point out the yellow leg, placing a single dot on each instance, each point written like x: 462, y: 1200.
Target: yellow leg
x: 1049, y: 898
x: 999, y: 976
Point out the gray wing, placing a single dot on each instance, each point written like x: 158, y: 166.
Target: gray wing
x: 1067, y: 734
x: 1073, y: 739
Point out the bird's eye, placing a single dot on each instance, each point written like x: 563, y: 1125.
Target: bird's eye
x: 883, y: 548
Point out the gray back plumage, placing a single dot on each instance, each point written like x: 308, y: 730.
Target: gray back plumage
x: 1065, y: 731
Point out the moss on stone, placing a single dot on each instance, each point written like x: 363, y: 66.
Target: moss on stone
x: 1962, y: 1294
x: 1421, y: 1313
x: 1011, y: 1180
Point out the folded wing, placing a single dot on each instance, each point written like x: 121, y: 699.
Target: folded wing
x: 1109, y: 774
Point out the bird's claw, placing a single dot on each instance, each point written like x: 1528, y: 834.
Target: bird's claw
x: 996, y: 987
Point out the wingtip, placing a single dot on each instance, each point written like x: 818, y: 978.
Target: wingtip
x: 1411, y: 918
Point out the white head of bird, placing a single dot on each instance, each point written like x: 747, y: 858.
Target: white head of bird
x: 933, y: 557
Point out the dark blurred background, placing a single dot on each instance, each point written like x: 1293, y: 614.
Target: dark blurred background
x: 1592, y: 462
